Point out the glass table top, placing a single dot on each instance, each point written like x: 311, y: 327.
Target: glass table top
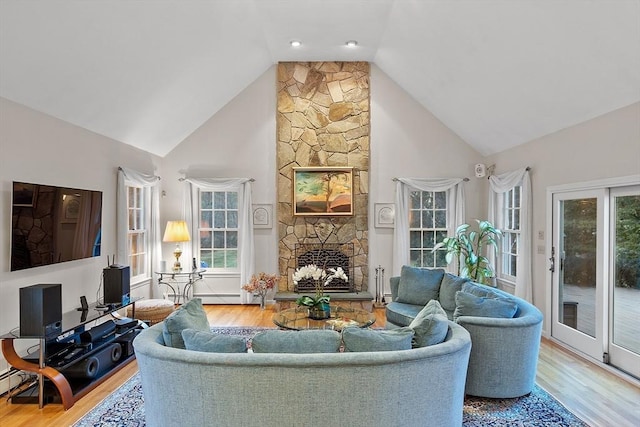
x: 298, y: 318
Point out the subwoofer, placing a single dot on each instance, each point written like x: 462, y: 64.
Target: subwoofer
x: 116, y: 282
x: 86, y: 368
x: 41, y: 310
x: 97, y: 364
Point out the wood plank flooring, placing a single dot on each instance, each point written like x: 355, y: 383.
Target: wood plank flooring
x: 594, y: 394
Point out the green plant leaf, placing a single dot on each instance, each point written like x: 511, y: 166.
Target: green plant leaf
x: 306, y: 301
x: 462, y: 228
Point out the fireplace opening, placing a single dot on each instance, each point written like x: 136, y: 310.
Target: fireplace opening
x: 326, y: 256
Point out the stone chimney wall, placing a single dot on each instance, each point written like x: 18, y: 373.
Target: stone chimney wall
x: 323, y: 120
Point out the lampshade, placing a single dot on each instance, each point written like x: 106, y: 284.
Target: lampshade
x: 176, y: 231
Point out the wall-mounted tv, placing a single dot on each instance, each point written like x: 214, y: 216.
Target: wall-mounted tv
x: 52, y: 224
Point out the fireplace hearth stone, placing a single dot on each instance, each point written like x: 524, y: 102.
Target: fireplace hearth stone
x: 363, y: 300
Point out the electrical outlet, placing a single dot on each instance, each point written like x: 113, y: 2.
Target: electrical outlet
x: 540, y: 235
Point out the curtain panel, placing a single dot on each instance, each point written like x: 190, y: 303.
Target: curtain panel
x: 245, y: 224
x: 454, y: 188
x: 500, y: 184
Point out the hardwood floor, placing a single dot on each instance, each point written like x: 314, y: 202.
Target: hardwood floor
x: 594, y: 394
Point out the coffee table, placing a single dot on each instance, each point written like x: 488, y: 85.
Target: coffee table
x: 298, y: 318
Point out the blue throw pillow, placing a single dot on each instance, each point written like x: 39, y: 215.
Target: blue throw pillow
x: 307, y: 341
x: 419, y: 285
x: 190, y: 315
x: 430, y: 326
x: 448, y: 288
x: 359, y: 339
x: 213, y: 343
x: 471, y: 305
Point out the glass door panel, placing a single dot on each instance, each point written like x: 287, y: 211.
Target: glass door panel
x: 625, y: 280
x: 578, y: 255
x: 577, y: 294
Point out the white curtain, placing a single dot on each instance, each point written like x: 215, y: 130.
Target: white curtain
x: 245, y: 224
x: 499, y: 185
x: 454, y: 187
x: 134, y: 178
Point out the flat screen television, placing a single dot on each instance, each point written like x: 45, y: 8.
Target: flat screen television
x: 52, y: 224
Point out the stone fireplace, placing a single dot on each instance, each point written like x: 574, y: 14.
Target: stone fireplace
x: 326, y: 256
x: 323, y: 121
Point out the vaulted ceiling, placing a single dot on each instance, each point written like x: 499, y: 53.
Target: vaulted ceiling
x: 148, y: 73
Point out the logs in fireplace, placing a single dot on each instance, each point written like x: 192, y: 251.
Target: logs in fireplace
x: 327, y: 255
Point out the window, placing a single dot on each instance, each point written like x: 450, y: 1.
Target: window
x: 137, y: 235
x: 510, y: 234
x: 219, y: 229
x: 427, y: 228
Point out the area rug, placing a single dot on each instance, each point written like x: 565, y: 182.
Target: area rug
x: 125, y: 406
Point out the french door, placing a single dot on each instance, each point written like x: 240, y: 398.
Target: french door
x: 596, y: 273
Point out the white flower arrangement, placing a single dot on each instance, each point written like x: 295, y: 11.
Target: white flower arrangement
x: 321, y: 279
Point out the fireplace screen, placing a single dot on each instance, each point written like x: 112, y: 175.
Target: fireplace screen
x: 326, y: 256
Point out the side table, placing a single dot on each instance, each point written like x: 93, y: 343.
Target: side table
x: 180, y: 282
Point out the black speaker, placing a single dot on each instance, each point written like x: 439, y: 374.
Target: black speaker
x: 98, y: 332
x: 97, y: 364
x: 41, y: 310
x: 126, y: 341
x: 116, y: 284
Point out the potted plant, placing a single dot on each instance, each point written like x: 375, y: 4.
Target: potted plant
x: 467, y: 247
x: 318, y: 304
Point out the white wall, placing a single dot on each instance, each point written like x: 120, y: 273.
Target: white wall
x: 408, y: 141
x: 605, y: 147
x: 239, y: 141
x: 41, y: 149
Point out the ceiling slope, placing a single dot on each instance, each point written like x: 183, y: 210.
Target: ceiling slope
x: 498, y: 73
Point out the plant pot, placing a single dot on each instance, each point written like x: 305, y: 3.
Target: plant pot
x: 320, y: 311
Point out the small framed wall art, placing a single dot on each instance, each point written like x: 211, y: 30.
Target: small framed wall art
x: 384, y: 215
x: 323, y: 191
x: 262, y: 215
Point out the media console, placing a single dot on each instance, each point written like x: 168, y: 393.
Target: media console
x: 77, y: 360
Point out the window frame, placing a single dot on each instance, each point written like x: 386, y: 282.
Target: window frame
x: 145, y: 217
x: 226, y: 230
x: 510, y: 225
x: 439, y: 233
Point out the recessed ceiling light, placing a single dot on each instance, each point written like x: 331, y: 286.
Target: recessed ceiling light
x: 352, y: 43
x: 295, y: 43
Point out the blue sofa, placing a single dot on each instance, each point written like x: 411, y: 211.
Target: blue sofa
x: 505, y: 350
x: 417, y: 387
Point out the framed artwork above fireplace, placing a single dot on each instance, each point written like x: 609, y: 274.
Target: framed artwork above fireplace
x: 322, y: 191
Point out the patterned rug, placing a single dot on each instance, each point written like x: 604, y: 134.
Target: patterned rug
x: 125, y: 406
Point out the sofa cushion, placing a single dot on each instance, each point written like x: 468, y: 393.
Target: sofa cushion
x: 430, y: 325
x: 419, y: 285
x: 401, y: 314
x: 359, y: 339
x: 478, y: 290
x: 468, y: 304
x: 213, y: 343
x: 448, y: 288
x: 307, y: 341
x: 190, y: 315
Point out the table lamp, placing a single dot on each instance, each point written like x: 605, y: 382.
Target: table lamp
x: 177, y: 232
